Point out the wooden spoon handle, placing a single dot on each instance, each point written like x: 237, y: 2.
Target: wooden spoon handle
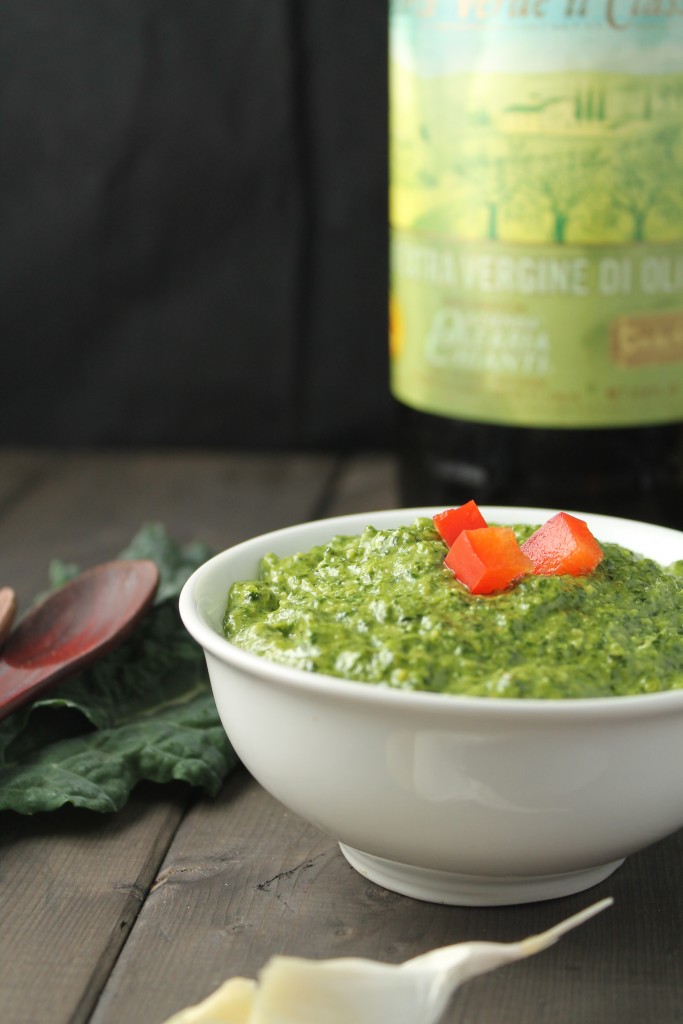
x: 8, y: 609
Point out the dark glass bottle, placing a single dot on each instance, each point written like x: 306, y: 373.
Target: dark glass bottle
x: 536, y: 210
x: 632, y: 472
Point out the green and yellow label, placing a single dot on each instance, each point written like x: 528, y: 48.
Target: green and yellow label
x: 537, y: 210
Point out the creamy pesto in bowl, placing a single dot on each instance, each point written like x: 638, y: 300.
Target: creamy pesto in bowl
x: 381, y: 607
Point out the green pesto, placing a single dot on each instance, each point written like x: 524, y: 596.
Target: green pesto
x: 382, y: 608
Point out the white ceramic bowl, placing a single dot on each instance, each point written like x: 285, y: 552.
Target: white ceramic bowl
x: 460, y: 800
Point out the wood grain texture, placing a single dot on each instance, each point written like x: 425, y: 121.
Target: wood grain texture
x: 225, y: 901
x: 127, y: 918
x: 230, y: 887
x: 623, y: 967
x: 19, y: 471
x: 72, y: 883
x: 86, y: 507
x: 71, y: 886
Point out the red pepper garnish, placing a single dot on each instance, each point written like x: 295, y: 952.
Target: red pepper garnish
x: 454, y: 520
x: 488, y: 559
x: 564, y: 545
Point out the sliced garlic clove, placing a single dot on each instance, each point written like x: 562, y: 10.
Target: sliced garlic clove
x: 352, y: 990
x: 229, y: 1004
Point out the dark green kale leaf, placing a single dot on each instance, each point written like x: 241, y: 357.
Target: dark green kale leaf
x: 143, y: 711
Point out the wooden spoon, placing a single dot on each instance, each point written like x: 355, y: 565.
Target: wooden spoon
x: 8, y: 609
x: 72, y: 626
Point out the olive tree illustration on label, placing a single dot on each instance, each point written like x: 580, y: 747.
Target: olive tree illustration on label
x: 536, y: 205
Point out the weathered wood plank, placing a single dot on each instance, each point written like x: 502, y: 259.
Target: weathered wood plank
x: 226, y: 901
x: 245, y: 878
x: 19, y: 472
x: 86, y: 508
x: 217, y: 905
x: 240, y: 878
x: 621, y: 968
x: 71, y: 885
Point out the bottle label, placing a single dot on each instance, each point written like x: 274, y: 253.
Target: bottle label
x: 536, y: 207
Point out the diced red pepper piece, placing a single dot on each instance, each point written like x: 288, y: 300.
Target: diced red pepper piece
x: 486, y: 560
x: 564, y: 545
x: 453, y: 521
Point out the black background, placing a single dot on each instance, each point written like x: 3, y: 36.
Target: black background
x: 193, y: 223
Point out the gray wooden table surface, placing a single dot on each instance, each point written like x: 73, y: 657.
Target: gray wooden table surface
x: 126, y: 918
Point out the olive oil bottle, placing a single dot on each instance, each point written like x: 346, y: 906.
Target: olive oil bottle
x: 536, y: 208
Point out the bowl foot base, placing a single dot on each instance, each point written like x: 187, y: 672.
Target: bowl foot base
x: 472, y: 890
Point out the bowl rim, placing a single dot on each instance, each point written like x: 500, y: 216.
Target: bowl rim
x: 660, y: 702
